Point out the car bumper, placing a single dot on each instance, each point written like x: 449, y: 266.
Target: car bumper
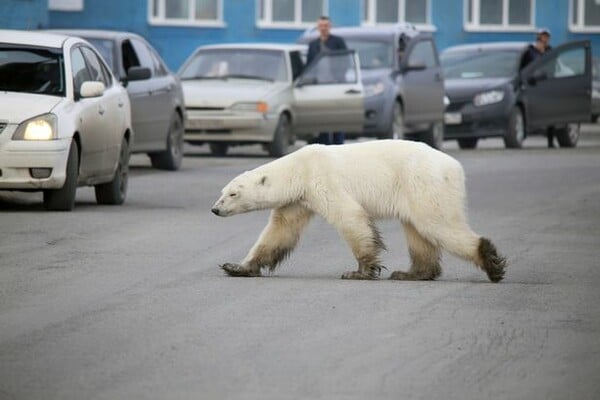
x: 19, y: 159
x: 467, y: 121
x: 229, y: 126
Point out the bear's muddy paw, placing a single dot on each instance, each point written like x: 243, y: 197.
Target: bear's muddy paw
x: 401, y: 276
x: 357, y: 275
x: 232, y: 269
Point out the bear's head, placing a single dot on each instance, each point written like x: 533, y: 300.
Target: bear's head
x: 250, y: 191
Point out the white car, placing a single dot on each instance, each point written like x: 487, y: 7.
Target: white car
x: 65, y: 121
x: 263, y: 93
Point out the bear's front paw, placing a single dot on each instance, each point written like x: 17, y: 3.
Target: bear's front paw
x: 238, y: 270
x: 357, y: 275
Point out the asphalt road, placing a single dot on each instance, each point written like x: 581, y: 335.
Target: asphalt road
x: 129, y: 303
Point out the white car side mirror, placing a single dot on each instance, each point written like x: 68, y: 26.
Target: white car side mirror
x: 91, y: 89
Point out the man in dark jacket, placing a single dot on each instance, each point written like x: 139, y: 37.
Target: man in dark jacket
x: 535, y: 50
x: 325, y: 42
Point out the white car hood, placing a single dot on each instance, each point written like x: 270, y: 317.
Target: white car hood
x: 17, y: 107
x: 224, y: 93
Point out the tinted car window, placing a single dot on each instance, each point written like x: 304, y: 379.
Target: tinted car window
x: 480, y: 64
x: 297, y: 64
x: 423, y: 53
x: 31, y: 70
x: 130, y: 58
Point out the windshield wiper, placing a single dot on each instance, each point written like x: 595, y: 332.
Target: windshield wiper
x: 199, y: 77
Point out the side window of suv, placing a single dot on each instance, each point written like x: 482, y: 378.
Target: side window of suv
x: 423, y: 53
x: 144, y: 56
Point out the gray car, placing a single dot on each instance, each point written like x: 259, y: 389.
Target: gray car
x: 157, y: 110
x: 403, y: 80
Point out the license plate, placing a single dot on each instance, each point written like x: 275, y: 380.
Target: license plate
x: 453, y: 118
x: 205, y: 123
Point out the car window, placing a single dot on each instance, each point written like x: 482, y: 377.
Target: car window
x: 97, y: 70
x: 332, y: 68
x: 471, y: 64
x: 79, y: 70
x: 130, y: 58
x: 566, y: 64
x: 297, y: 64
x: 31, y: 70
x: 144, y: 56
x: 159, y: 66
x: 106, y: 49
x: 372, y: 53
x: 236, y: 63
x: 423, y: 53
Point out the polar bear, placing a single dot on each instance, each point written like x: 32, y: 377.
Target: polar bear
x: 351, y: 186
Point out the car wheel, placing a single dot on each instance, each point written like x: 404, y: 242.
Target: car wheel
x: 467, y: 143
x: 434, y: 137
x: 115, y: 191
x: 281, y: 139
x: 569, y: 135
x: 63, y: 199
x: 516, y: 129
x: 397, y: 131
x: 171, y: 158
x: 218, y: 149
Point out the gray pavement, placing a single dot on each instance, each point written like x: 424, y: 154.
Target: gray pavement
x: 129, y: 303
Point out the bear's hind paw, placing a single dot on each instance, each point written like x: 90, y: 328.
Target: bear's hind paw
x: 357, y: 275
x: 232, y: 269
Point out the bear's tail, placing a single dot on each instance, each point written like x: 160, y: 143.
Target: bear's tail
x: 491, y: 262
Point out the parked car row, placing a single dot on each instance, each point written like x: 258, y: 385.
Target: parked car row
x: 76, y: 103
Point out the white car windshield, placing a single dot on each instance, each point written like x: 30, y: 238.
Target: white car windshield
x: 266, y: 65
x: 480, y: 64
x: 31, y: 70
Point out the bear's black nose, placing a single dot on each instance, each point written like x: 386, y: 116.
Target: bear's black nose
x: 215, y: 210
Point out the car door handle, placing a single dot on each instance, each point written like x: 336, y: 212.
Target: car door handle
x: 352, y: 91
x: 101, y: 110
x: 120, y: 103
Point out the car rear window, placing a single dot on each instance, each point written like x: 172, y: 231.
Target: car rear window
x: 31, y: 70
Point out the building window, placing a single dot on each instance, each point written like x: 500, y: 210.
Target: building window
x: 290, y: 13
x: 585, y: 15
x: 395, y: 11
x: 499, y: 15
x: 186, y: 12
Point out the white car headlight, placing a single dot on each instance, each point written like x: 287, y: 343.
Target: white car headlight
x: 256, y: 106
x: 490, y: 97
x: 42, y: 127
x: 374, y: 89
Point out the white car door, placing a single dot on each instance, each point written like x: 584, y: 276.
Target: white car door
x: 328, y: 95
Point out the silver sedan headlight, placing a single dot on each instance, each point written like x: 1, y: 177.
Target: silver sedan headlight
x: 489, y: 97
x: 374, y: 89
x: 252, y: 106
x: 42, y: 127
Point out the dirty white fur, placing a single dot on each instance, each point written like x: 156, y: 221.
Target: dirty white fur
x: 351, y: 186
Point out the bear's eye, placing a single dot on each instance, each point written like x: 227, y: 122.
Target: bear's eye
x: 233, y: 194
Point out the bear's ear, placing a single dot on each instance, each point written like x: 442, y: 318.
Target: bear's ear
x: 263, y: 180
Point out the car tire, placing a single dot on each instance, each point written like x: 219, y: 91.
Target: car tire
x: 434, y: 137
x: 171, y: 158
x: 115, y: 191
x: 515, y: 134
x: 468, y: 143
x: 281, y: 139
x: 569, y: 135
x: 63, y: 199
x: 218, y: 149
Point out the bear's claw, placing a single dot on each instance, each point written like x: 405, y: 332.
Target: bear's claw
x: 357, y: 275
x: 232, y: 269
